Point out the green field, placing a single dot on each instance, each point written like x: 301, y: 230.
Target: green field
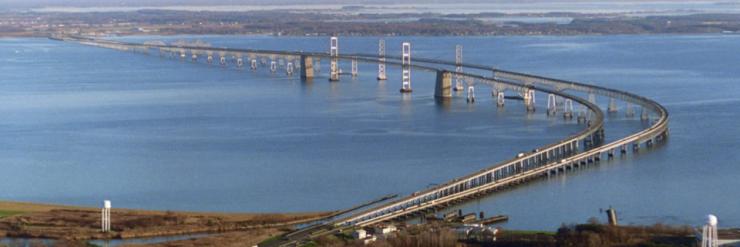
x: 6, y: 213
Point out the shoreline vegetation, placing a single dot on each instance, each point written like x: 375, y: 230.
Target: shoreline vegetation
x: 74, y: 225
x: 292, y: 23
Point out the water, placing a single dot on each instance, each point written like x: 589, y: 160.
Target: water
x: 83, y: 124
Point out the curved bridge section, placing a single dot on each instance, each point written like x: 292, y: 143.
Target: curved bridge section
x: 576, y: 150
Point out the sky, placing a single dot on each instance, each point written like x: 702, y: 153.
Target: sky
x: 90, y: 3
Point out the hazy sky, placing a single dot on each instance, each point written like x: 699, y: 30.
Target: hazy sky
x: 78, y: 3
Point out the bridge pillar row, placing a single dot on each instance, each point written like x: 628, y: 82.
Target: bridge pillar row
x: 306, y: 67
x: 443, y: 87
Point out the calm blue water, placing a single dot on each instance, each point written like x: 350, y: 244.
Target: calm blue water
x: 83, y: 124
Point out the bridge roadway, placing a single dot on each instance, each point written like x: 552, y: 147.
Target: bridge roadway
x: 576, y: 150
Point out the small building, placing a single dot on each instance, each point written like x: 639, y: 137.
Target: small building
x: 383, y: 230
x: 369, y: 240
x: 359, y: 234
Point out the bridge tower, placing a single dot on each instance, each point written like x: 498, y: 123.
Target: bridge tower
x: 458, y: 68
x: 381, y: 60
x: 568, y: 109
x: 552, y: 107
x: 612, y: 105
x: 354, y: 67
x: 334, y: 54
x: 471, y: 94
x: 406, y: 67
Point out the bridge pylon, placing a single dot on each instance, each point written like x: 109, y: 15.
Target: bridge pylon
x: 529, y: 99
x: 306, y: 67
x: 289, y: 68
x: 552, y: 107
x: 629, y: 111
x: 406, y: 67
x: 355, y: 70
x: 471, y: 94
x: 273, y: 66
x: 381, y: 60
x: 500, y: 99
x: 458, y: 68
x: 644, y: 115
x: 443, y: 87
x: 612, y: 105
x: 568, y: 109
x: 334, y: 54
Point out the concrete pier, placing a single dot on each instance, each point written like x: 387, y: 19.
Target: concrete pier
x: 306, y: 67
x: 443, y: 87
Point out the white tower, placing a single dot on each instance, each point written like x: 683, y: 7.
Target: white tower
x: 471, y: 94
x: 709, y: 232
x: 289, y: 68
x: 406, y: 67
x: 354, y: 67
x: 105, y: 217
x: 334, y: 54
x: 458, y: 68
x: 381, y: 60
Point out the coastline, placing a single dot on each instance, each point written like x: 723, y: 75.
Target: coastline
x: 63, y: 222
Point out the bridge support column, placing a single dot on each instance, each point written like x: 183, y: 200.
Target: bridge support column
x: 443, y: 87
x: 458, y: 68
x: 612, y: 105
x: 568, y: 109
x: 334, y: 53
x: 529, y: 100
x: 381, y: 60
x: 644, y: 114
x: 629, y: 112
x: 405, y: 67
x: 552, y: 107
x: 471, y: 94
x: 306, y: 67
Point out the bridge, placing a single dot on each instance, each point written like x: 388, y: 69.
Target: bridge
x: 581, y: 149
